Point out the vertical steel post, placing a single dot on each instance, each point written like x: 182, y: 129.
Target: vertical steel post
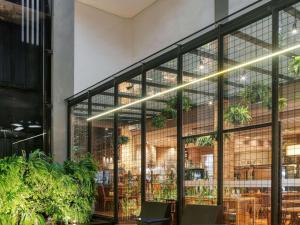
x: 180, y: 148
x: 276, y: 153
x: 89, y: 136
x: 143, y: 138
x: 116, y: 157
x: 220, y: 119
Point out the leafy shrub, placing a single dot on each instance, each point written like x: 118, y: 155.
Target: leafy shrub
x: 35, y: 189
x: 158, y: 121
x: 294, y: 65
x: 237, y: 114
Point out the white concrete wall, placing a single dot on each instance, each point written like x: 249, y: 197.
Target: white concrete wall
x: 103, y: 45
x: 168, y: 21
x: 235, y: 5
x: 62, y: 74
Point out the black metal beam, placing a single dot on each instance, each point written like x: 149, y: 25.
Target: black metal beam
x: 143, y: 140
x: 220, y: 119
x: 180, y: 147
x: 276, y: 153
x: 234, y: 63
x: 258, y: 42
x: 116, y: 158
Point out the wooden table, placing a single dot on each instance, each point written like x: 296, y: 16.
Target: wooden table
x: 239, y: 202
x: 293, y: 211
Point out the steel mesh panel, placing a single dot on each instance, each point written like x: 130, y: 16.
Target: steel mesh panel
x: 129, y: 150
x: 289, y: 92
x: 248, y: 90
x: 161, y: 134
x: 247, y: 176
x: 103, y: 151
x: 79, y: 130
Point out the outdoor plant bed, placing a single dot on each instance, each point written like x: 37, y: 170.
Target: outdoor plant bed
x: 37, y: 191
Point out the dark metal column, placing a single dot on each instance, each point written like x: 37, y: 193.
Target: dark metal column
x: 89, y: 122
x: 143, y: 139
x: 220, y: 119
x: 180, y: 148
x: 116, y: 157
x: 276, y: 153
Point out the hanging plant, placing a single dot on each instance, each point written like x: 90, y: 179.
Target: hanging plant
x: 190, y: 140
x: 294, y: 65
x: 237, y: 114
x: 169, y: 113
x: 186, y: 103
x: 159, y: 121
x: 206, y: 141
x: 255, y: 93
x: 123, y: 140
x: 282, y: 104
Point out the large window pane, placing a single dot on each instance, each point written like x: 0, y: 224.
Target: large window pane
x: 103, y: 151
x: 247, y: 177
x: 129, y: 149
x: 248, y: 90
x: 79, y: 130
x: 161, y: 135
x: 199, y: 125
x: 289, y: 93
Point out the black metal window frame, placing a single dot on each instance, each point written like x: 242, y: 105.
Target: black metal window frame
x: 270, y: 8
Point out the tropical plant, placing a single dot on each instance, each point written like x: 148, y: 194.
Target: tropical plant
x: 186, y: 103
x: 169, y: 113
x: 205, y: 141
x: 237, y: 114
x: 35, y: 189
x: 294, y: 65
x: 255, y: 93
x: 282, y: 104
x: 190, y: 140
x: 158, y: 121
x: 123, y: 140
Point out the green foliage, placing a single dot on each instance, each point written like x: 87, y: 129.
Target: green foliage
x: 169, y: 113
x: 123, y: 140
x: 294, y: 65
x: 186, y: 103
x: 34, y: 189
x: 206, y: 141
x: 159, y: 121
x: 237, y: 114
x: 255, y: 93
x: 282, y: 103
x: 190, y: 140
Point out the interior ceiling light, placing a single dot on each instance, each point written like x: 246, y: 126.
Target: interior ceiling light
x: 222, y: 72
x: 243, y: 78
x: 19, y: 128
x: 294, y: 28
x: 16, y: 125
x: 34, y: 126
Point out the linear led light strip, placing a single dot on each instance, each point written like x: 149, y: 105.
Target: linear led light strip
x: 26, y: 139
x: 196, y: 81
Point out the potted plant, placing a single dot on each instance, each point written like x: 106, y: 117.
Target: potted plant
x: 190, y: 140
x: 294, y: 65
x: 169, y: 113
x: 237, y: 114
x: 256, y: 93
x: 123, y: 140
x: 158, y: 121
x: 186, y: 103
x: 205, y: 141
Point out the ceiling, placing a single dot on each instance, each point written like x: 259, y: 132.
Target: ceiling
x: 122, y: 8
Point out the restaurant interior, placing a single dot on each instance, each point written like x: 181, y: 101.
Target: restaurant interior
x: 224, y: 137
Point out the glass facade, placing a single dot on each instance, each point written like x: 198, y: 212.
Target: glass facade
x: 25, y: 118
x: 231, y: 139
